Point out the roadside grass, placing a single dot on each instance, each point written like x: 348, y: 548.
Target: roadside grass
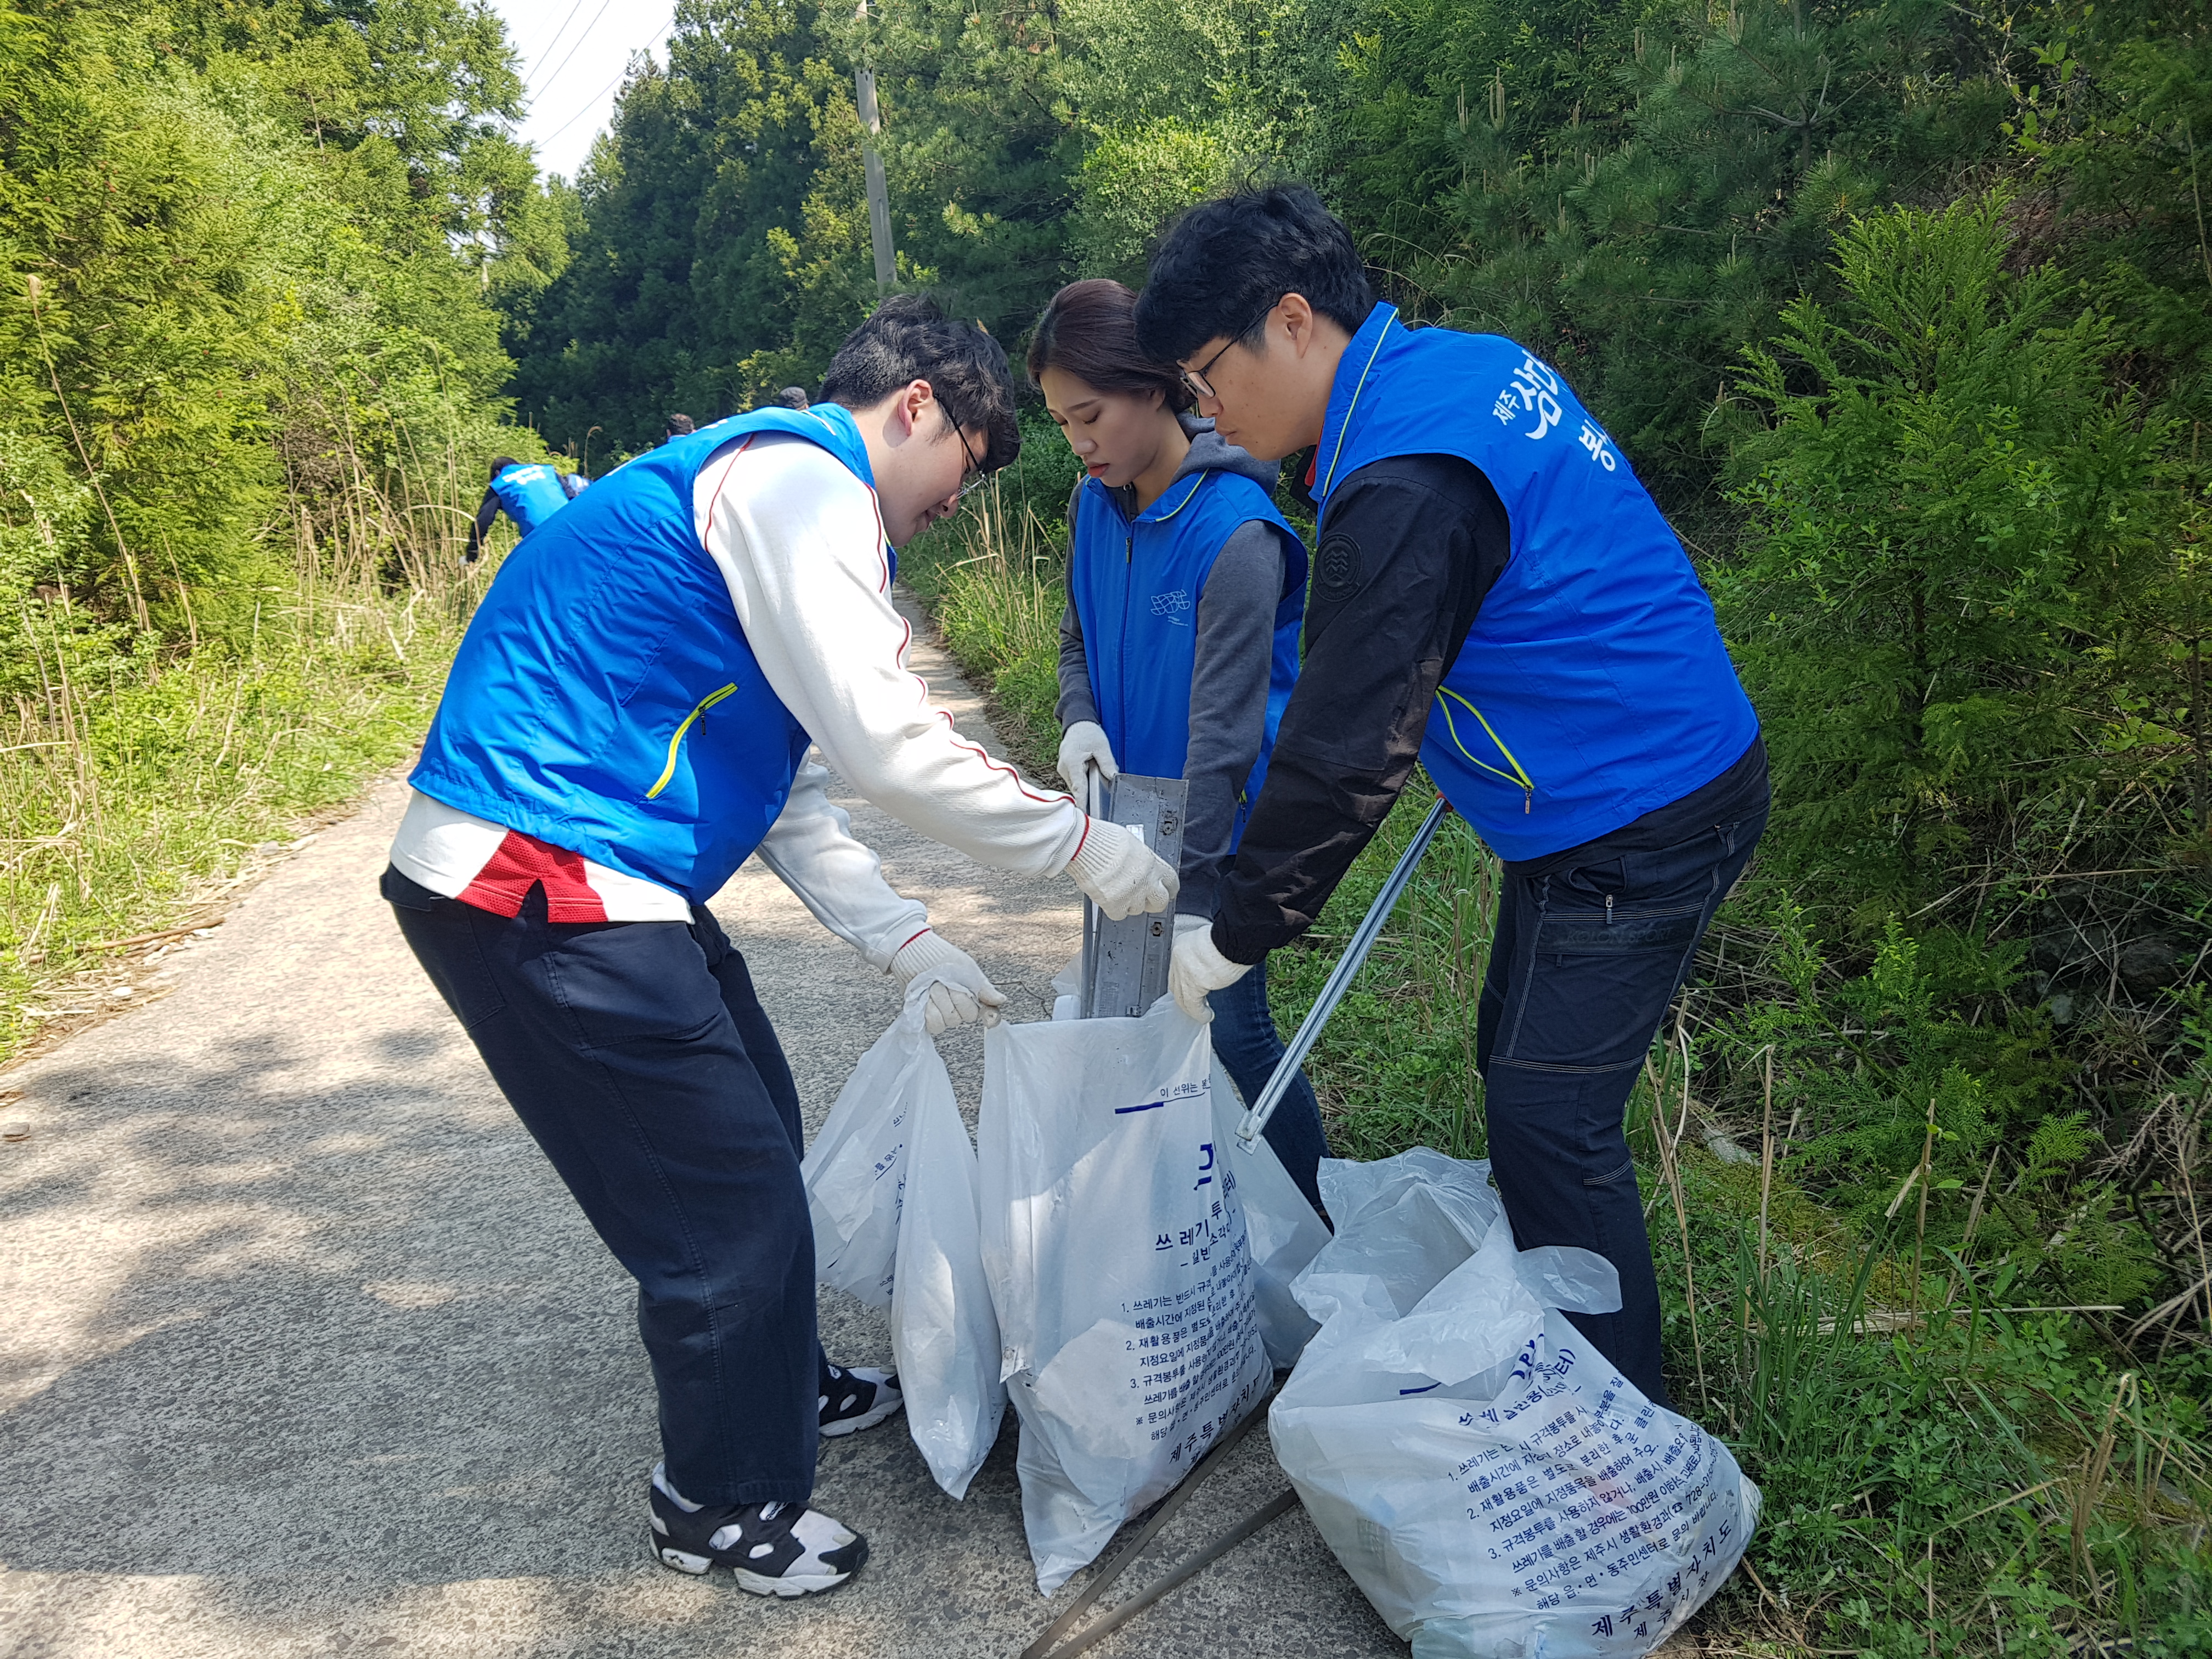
x: 1956, y: 1457
x: 141, y: 784
x: 994, y: 582
x: 1950, y: 1464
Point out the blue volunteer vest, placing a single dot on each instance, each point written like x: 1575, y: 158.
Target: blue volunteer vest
x: 605, y: 699
x: 1593, y: 686
x: 1135, y: 585
x: 531, y: 495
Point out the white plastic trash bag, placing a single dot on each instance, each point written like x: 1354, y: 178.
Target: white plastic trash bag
x: 1282, y: 1229
x: 856, y: 1170
x: 1115, y: 1240
x: 1489, y: 1480
x: 892, y: 1183
x: 1402, y: 1224
x: 945, y: 1336
x: 1067, y: 989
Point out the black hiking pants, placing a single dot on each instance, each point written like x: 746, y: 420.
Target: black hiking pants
x: 1592, y: 945
x: 638, y: 1057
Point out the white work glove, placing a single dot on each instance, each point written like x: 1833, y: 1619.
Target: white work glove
x: 1085, y: 740
x: 963, y: 993
x: 1119, y: 874
x: 1197, y: 967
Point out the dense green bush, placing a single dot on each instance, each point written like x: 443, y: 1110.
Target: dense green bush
x: 251, y: 253
x: 1958, y: 557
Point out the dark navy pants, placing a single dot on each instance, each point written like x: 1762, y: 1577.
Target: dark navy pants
x: 637, y: 1055
x: 1249, y: 1046
x: 1592, y: 945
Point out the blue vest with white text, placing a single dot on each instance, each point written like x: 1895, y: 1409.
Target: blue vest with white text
x: 531, y: 495
x: 1135, y: 585
x: 1593, y: 686
x: 605, y: 699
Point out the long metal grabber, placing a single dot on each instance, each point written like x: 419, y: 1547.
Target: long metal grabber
x: 1184, y: 1571
x: 1340, y: 980
x: 1163, y: 1512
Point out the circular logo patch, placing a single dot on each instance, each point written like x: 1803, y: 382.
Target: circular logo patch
x: 1336, y: 566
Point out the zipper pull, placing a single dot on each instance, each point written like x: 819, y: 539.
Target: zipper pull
x: 1608, y: 909
x: 1527, y: 805
x: 1129, y: 549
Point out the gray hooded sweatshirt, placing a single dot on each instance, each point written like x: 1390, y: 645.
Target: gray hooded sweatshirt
x: 1235, y: 648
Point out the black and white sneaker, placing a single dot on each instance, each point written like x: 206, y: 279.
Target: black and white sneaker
x: 855, y: 1398
x: 774, y: 1549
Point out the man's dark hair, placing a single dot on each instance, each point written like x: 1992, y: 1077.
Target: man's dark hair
x: 503, y: 464
x: 1224, y: 265
x: 681, y: 426
x: 909, y: 339
x: 1089, y: 331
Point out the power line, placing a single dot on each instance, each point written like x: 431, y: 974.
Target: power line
x: 547, y: 84
x: 557, y: 33
x: 591, y: 103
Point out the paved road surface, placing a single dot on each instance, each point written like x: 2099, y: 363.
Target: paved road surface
x: 305, y: 1351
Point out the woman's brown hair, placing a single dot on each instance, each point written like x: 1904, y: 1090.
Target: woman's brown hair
x: 1090, y: 331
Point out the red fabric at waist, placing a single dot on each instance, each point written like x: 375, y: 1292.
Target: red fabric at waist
x: 521, y: 863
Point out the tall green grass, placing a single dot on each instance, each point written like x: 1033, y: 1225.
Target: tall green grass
x: 143, y: 778
x: 1952, y: 1463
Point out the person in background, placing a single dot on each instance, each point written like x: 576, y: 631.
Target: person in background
x: 1180, y: 643
x: 628, y: 720
x: 1496, y: 595
x: 679, y: 426
x: 528, y: 495
x: 793, y: 397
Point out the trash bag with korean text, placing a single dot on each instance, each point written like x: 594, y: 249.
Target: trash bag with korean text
x: 1486, y: 1478
x: 1114, y: 1236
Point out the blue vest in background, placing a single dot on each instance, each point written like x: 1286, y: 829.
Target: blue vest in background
x: 605, y: 699
x: 1135, y: 585
x: 531, y: 495
x: 1593, y: 686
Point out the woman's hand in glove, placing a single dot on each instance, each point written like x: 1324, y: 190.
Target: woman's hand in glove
x: 1085, y: 740
x: 963, y: 993
x: 1119, y: 874
x: 1197, y: 967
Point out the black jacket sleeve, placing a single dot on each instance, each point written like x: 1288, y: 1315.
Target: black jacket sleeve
x: 1408, y: 550
x: 487, y: 511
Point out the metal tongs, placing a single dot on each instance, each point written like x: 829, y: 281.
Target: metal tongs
x: 1340, y: 980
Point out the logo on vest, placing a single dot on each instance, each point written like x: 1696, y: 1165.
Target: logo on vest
x: 1534, y: 389
x: 1336, y: 566
x: 1170, y: 604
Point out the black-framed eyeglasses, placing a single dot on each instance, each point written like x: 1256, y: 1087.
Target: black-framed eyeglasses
x: 1195, y: 379
x: 975, y: 477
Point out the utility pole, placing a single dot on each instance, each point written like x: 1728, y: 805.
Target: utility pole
x: 879, y: 200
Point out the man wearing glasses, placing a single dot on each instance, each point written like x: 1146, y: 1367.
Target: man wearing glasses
x: 1494, y: 594
x: 628, y: 720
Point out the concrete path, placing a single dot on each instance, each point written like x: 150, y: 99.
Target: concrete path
x: 305, y: 1351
